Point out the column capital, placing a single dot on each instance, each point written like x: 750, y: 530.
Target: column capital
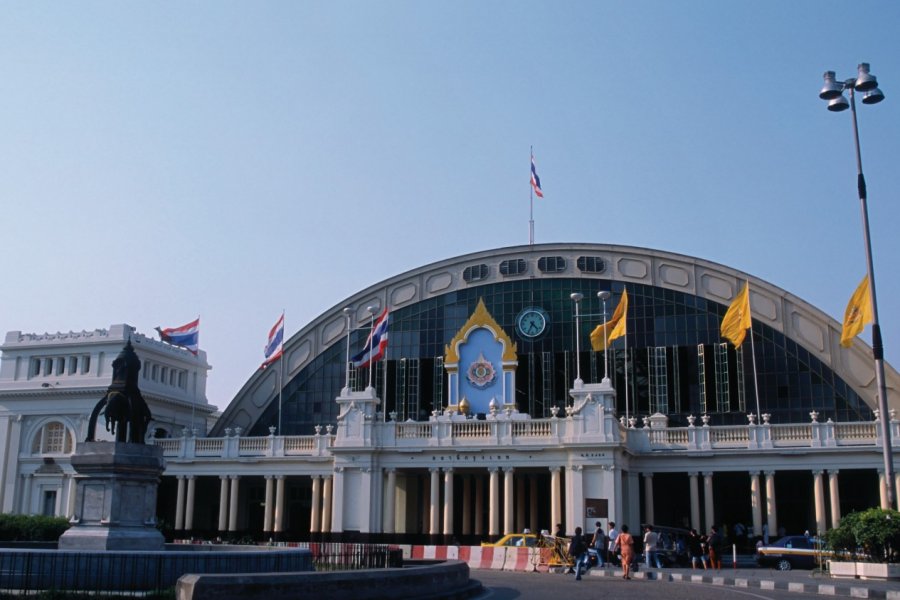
x: 448, y: 470
x: 555, y: 469
x: 224, y: 477
x: 434, y: 470
x: 576, y: 468
x: 833, y: 471
x: 493, y: 469
x: 267, y: 477
x: 234, y: 477
x: 390, y: 470
x: 754, y: 473
x: 818, y: 472
x: 769, y: 473
x: 190, y: 477
x: 648, y: 475
x: 693, y: 473
x: 315, y: 476
x: 280, y: 477
x: 707, y: 473
x: 509, y: 469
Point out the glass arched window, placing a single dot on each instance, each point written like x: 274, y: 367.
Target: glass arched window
x: 53, y: 438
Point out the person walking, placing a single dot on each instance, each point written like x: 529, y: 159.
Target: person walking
x: 578, y: 551
x: 625, y: 546
x: 695, y: 549
x: 714, y: 542
x: 651, y: 541
x: 611, y: 544
x: 598, y: 543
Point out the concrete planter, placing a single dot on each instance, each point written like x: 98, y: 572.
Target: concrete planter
x: 864, y: 570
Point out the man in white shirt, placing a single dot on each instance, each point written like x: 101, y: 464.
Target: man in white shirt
x: 651, y: 541
x: 611, y: 548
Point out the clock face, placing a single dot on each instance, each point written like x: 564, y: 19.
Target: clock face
x: 531, y: 322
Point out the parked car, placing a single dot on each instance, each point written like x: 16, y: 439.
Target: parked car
x: 671, y: 547
x: 792, y: 552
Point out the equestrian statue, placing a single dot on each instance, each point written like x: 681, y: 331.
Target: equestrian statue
x: 126, y: 412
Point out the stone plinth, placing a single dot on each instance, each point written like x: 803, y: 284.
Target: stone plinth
x: 115, y: 497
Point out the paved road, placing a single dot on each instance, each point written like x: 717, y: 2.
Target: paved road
x: 689, y: 584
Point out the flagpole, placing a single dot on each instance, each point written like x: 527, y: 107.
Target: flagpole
x: 371, y: 311
x: 531, y: 207
x: 627, y: 414
x: 281, y: 375
x: 753, y: 352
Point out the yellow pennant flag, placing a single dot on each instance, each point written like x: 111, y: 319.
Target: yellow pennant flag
x: 737, y: 319
x: 615, y: 325
x: 858, y: 313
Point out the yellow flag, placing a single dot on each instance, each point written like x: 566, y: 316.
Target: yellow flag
x: 858, y: 313
x: 737, y: 321
x: 615, y: 324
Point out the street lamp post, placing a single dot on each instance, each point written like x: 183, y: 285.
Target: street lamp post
x: 833, y: 92
x: 576, y: 298
x: 604, y: 296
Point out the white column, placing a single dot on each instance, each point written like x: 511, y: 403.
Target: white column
x: 709, y: 506
x: 337, y: 503
x: 896, y: 488
x: 223, y: 502
x: 756, y: 502
x: 233, y: 503
x: 694, y: 486
x: 448, y: 501
x: 267, y: 509
x: 509, y: 524
x: 189, y: 503
x: 434, y: 506
x: 390, y: 501
x: 326, y: 502
x: 835, y: 498
x: 533, y: 504
x: 478, y: 528
x: 648, y: 499
x: 520, y: 503
x: 494, y: 502
x: 27, y: 482
x: 819, y: 499
x: 467, y: 505
x: 179, y: 504
x: 771, y: 510
x: 555, y: 499
x: 882, y: 490
x: 315, y: 512
x: 279, y: 504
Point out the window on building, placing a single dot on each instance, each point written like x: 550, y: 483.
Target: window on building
x: 73, y: 365
x: 475, y: 273
x: 48, y: 506
x: 53, y: 438
x: 591, y: 264
x: 516, y: 266
x: 552, y: 264
x: 35, y: 367
x: 86, y: 363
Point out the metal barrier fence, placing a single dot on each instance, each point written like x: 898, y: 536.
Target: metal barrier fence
x: 345, y: 557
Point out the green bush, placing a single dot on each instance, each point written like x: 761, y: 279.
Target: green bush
x: 31, y: 528
x: 872, y: 535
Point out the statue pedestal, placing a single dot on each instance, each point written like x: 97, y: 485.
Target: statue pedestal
x: 115, y: 497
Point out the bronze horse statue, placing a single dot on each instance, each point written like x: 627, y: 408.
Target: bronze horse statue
x: 126, y: 412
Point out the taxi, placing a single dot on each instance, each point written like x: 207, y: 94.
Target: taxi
x: 527, y: 540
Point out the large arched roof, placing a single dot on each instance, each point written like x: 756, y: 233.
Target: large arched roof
x: 798, y: 320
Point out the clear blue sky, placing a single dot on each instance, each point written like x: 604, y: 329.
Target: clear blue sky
x: 163, y: 160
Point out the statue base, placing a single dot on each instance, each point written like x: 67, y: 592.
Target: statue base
x: 115, y: 497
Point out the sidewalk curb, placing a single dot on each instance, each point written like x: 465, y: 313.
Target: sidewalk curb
x: 823, y: 589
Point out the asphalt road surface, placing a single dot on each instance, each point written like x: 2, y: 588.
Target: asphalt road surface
x: 505, y: 585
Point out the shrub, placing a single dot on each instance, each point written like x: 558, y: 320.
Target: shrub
x: 872, y: 535
x: 31, y: 528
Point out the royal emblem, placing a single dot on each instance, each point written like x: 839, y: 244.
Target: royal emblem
x: 481, y: 372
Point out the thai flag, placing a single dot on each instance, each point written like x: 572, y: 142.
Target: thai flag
x: 186, y: 336
x: 535, y: 180
x: 376, y: 343
x: 275, y: 345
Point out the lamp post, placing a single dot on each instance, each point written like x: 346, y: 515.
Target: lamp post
x: 833, y: 93
x: 604, y: 296
x: 576, y: 298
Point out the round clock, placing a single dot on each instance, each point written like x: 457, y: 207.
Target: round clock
x: 532, y: 322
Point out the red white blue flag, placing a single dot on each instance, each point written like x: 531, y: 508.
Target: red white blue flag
x: 275, y: 345
x: 535, y: 180
x: 376, y: 343
x: 186, y: 336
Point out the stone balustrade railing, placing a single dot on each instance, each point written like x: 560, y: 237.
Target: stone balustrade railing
x: 541, y: 433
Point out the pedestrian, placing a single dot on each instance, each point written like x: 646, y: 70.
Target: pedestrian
x: 714, y: 541
x: 578, y: 552
x: 740, y: 535
x: 611, y: 552
x: 598, y: 543
x: 625, y: 546
x: 560, y: 532
x: 651, y: 541
x: 695, y: 549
